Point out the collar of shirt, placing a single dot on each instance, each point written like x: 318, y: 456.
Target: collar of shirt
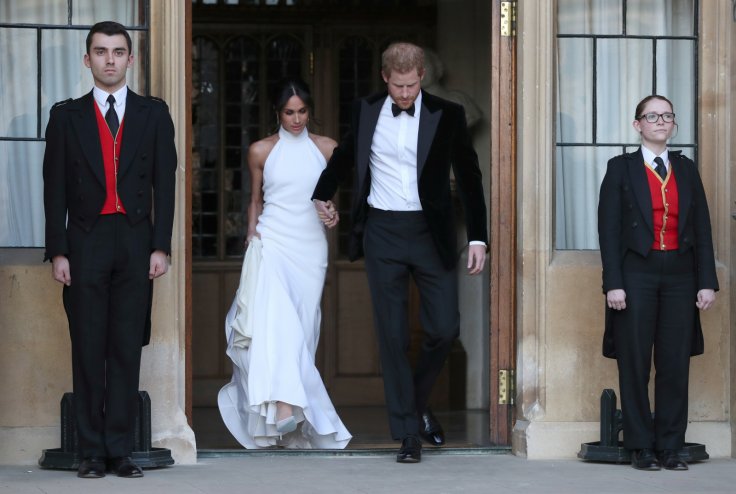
x: 120, y: 95
x: 649, y: 157
x: 417, y: 107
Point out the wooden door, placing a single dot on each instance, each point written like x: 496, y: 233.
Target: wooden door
x: 503, y: 219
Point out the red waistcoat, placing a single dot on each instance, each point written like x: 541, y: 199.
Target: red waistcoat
x: 111, y: 160
x: 665, y: 209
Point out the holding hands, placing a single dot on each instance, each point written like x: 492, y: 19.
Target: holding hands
x: 327, y: 213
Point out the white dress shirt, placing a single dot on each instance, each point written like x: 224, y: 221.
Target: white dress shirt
x: 393, y: 160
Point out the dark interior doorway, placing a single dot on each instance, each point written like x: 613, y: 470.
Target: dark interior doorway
x: 239, y: 50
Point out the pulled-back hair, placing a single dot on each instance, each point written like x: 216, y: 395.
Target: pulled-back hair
x: 292, y: 87
x: 109, y: 28
x: 402, y: 57
x: 643, y: 103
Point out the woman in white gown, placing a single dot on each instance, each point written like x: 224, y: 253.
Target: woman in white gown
x: 276, y: 396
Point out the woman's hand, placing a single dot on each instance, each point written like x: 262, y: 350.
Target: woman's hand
x: 706, y: 298
x: 249, y: 236
x: 327, y: 213
x: 616, y: 299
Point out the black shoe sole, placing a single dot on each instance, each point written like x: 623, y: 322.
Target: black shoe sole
x: 407, y: 460
x: 430, y: 442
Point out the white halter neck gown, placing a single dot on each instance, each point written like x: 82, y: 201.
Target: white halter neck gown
x: 279, y: 363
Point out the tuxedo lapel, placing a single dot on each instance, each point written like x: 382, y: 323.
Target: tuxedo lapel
x: 428, y: 122
x: 84, y: 122
x: 135, y: 119
x: 640, y: 186
x: 369, y: 112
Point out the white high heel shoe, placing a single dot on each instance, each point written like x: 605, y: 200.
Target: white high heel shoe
x: 286, y: 425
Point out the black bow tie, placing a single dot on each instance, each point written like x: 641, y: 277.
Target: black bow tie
x: 395, y: 109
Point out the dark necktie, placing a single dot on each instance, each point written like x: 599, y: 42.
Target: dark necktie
x: 111, y: 117
x: 660, y: 168
x: 395, y: 109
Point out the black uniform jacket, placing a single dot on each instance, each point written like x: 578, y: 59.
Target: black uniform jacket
x: 625, y: 223
x: 74, y: 174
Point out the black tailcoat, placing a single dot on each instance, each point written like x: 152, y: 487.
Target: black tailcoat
x: 108, y: 303
x: 625, y: 223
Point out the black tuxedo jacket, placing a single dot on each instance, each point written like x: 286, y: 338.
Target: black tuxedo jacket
x: 625, y: 223
x: 74, y: 174
x: 443, y: 144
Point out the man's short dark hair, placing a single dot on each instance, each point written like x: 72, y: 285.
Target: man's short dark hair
x: 109, y: 28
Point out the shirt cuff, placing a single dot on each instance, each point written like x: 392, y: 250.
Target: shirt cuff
x: 477, y: 242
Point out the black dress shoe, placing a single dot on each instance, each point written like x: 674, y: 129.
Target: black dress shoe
x: 430, y: 429
x: 411, y: 451
x: 91, y: 468
x: 125, y: 467
x: 671, y: 460
x: 644, y: 459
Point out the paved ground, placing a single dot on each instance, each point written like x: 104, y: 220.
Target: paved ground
x: 295, y: 474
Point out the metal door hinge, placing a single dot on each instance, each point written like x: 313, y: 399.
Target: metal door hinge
x: 508, y: 18
x: 506, y: 386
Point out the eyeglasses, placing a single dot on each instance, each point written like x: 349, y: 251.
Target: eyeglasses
x: 654, y: 117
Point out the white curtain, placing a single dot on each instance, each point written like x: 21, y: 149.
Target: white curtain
x: 63, y: 75
x: 597, y: 95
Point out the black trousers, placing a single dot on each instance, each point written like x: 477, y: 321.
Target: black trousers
x: 107, y: 306
x: 659, y: 316
x: 398, y: 245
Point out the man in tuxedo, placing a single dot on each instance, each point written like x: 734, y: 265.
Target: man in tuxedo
x: 109, y: 167
x: 402, y: 146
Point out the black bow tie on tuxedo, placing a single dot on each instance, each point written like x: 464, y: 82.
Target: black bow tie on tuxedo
x: 395, y: 109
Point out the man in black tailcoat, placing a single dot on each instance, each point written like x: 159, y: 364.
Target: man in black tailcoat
x: 109, y: 177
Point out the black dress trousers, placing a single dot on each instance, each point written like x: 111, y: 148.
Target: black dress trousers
x: 659, y: 317
x: 397, y: 245
x: 107, y: 305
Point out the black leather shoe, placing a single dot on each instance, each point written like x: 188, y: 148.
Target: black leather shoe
x: 125, y: 467
x: 91, y: 468
x: 411, y: 451
x: 430, y: 429
x: 671, y: 460
x: 644, y: 459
